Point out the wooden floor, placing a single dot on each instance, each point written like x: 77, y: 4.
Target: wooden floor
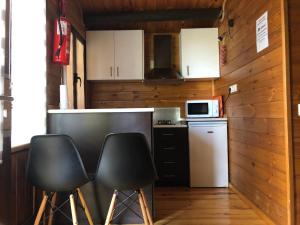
x: 209, y: 206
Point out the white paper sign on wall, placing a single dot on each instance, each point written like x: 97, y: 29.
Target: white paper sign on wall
x: 262, y: 33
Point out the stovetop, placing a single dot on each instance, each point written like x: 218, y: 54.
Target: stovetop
x: 165, y: 122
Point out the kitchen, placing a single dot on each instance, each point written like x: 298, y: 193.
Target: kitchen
x: 139, y: 57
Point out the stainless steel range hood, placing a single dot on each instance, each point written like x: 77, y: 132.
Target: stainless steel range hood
x: 162, y: 68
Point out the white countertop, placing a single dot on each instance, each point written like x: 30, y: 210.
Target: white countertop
x: 204, y: 119
x: 170, y: 126
x: 122, y: 110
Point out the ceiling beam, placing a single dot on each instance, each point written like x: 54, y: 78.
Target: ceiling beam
x: 99, y: 19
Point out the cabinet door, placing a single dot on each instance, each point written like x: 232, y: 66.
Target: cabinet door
x: 100, y: 55
x: 200, y: 53
x: 129, y: 55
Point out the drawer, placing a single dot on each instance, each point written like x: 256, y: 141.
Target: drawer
x: 166, y: 137
x: 171, y: 156
x: 172, y: 174
x: 166, y: 153
x: 168, y: 169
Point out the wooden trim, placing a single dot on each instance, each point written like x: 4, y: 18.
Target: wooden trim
x: 20, y: 148
x: 260, y: 213
x: 288, y: 113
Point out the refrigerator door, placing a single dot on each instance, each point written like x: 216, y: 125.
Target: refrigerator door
x: 208, y: 154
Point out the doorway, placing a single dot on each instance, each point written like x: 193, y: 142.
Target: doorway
x: 75, y: 78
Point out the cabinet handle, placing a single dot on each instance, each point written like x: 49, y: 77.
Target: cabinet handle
x: 169, y: 162
x: 117, y: 71
x: 169, y: 148
x: 111, y: 72
x: 188, y: 70
x: 168, y: 134
x: 169, y: 176
x: 210, y: 132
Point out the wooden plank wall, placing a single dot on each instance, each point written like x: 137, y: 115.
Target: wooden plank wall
x: 161, y: 94
x: 294, y: 24
x: 137, y: 94
x: 75, y: 15
x: 21, y: 190
x: 256, y: 113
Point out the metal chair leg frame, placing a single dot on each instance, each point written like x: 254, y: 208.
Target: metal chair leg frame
x: 52, y: 204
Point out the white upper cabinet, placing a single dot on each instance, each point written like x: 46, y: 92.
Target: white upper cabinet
x: 100, y: 57
x: 199, y: 53
x: 115, y: 55
x: 129, y: 55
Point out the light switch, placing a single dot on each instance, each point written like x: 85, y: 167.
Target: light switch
x: 298, y: 109
x: 233, y: 88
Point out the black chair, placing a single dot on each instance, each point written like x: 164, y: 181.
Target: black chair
x: 54, y: 165
x: 126, y: 164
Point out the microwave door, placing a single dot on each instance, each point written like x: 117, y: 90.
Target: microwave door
x: 200, y: 109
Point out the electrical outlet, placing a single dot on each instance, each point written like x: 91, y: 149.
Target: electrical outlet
x: 233, y: 88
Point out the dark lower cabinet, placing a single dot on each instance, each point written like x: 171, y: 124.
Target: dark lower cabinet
x: 171, y: 156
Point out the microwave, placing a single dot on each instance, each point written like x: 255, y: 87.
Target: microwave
x: 202, y: 108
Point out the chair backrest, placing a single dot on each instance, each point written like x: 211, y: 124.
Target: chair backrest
x: 54, y: 164
x: 126, y: 162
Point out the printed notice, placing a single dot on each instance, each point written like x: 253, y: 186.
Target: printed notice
x: 262, y: 34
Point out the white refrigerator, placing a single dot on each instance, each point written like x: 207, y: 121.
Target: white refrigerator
x: 208, y: 150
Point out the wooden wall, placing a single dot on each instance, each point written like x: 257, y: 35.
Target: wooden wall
x: 75, y: 15
x: 22, y: 210
x: 137, y: 94
x: 160, y: 94
x: 257, y: 138
x: 294, y: 24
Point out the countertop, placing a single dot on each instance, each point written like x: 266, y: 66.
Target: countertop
x: 115, y: 110
x: 204, y: 119
x: 170, y: 126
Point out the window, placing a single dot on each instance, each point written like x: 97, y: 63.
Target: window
x: 28, y: 69
x: 2, y: 67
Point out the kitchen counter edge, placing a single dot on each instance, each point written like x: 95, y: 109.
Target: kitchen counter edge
x: 120, y: 110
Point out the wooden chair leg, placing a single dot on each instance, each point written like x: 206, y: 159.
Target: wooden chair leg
x: 73, y: 210
x: 41, y: 210
x: 143, y: 208
x: 44, y: 215
x: 85, y: 207
x: 110, y: 213
x: 53, y: 202
x: 146, y: 207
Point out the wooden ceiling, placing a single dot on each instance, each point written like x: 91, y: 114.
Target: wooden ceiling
x: 94, y: 9
x: 98, y: 6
